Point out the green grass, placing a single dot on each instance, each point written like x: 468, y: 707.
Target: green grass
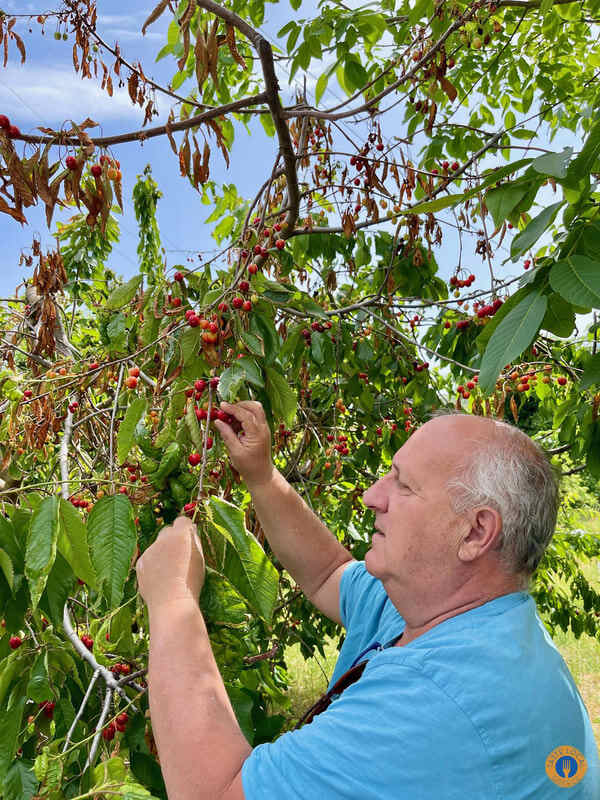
x: 309, y: 678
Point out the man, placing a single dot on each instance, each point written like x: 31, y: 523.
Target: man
x: 463, y: 694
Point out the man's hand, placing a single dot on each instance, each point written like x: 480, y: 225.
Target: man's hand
x: 250, y: 450
x: 173, y: 567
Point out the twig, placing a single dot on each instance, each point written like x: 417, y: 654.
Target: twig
x: 112, y: 420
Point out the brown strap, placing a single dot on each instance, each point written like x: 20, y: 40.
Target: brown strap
x: 347, y: 679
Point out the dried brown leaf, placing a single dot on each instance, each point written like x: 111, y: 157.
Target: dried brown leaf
x: 449, y: 88
x: 13, y: 212
x: 109, y: 86
x: 201, y: 58
x: 169, y: 132
x: 230, y: 36
x: 132, y: 86
x: 75, y: 59
x: 156, y: 13
x: 20, y: 45
x: 213, y: 52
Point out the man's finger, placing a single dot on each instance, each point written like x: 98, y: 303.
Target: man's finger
x: 229, y: 437
x: 246, y: 411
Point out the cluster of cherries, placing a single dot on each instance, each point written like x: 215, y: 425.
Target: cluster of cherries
x: 489, y: 310
x: 119, y: 724
x: 11, y: 130
x: 465, y: 391
x: 87, y: 641
x: 317, y: 327
x: 456, y: 282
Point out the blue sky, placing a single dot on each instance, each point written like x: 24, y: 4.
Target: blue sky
x: 46, y: 91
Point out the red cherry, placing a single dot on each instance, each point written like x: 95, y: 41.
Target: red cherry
x: 134, y: 372
x: 201, y: 413
x: 277, y: 227
x: 14, y: 132
x: 209, y: 442
x: 280, y: 244
x: 257, y: 249
x: 109, y: 732
x: 253, y: 268
x: 194, y: 459
x: 96, y: 170
x: 561, y: 381
x: 71, y: 162
x: 214, y: 383
x: 247, y: 305
x: 28, y: 393
x: 455, y: 165
x: 178, y: 276
x: 193, y: 321
x: 244, y: 286
x: 131, y: 382
x: 222, y: 307
x: 237, y: 302
x: 4, y: 122
x: 200, y: 385
x: 15, y: 642
x: 445, y: 164
x: 176, y: 302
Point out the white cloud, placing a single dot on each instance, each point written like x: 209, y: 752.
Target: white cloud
x: 49, y: 95
x: 130, y: 33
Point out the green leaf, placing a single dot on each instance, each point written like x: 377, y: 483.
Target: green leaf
x: 231, y: 381
x: 58, y: 587
x: 134, y: 413
x: 73, y: 544
x: 501, y: 201
x: 511, y: 337
x: 41, y: 547
x: 10, y: 725
x: 532, y: 232
x: 123, y: 294
x: 559, y: 318
x: 554, y: 164
x: 591, y: 373
x: 255, y: 344
x: 20, y: 782
x: 577, y: 279
x: 220, y: 603
x: 282, y: 396
x: 422, y: 8
x: 247, y: 567
x: 355, y: 75
x: 592, y: 461
x: 38, y: 687
x: 435, y: 205
x: 7, y: 568
x: 112, y: 536
x: 189, y: 341
x: 321, y: 86
x: 193, y: 427
x: 581, y: 167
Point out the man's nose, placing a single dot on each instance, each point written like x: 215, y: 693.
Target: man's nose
x: 374, y: 497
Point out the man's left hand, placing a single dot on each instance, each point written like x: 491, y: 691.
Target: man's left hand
x: 173, y: 567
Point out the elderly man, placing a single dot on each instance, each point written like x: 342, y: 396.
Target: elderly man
x: 455, y: 688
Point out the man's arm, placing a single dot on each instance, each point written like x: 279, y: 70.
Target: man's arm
x: 200, y: 744
x: 300, y: 541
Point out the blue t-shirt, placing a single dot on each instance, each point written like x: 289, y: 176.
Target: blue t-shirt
x: 480, y: 707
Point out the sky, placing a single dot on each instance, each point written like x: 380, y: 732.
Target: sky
x: 46, y: 91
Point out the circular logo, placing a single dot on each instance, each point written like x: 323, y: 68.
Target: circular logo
x: 566, y: 766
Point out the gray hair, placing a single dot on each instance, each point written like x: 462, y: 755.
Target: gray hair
x: 511, y: 473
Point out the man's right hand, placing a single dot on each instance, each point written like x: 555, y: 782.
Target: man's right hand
x: 250, y: 450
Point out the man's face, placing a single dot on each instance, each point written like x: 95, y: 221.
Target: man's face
x: 417, y: 534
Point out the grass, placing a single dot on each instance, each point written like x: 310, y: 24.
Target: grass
x: 309, y: 679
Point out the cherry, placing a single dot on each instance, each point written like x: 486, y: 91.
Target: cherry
x: 237, y: 302
x: 561, y: 381
x: 244, y: 286
x: 109, y: 732
x: 121, y: 722
x: 194, y: 459
x: 257, y: 249
x: 134, y: 372
x: 27, y: 393
x: 131, y: 382
x: 193, y: 321
x: 222, y: 307
x: 214, y: 383
x: 445, y: 164
x: 200, y: 385
x: 96, y: 170
x: 280, y: 244
x: 71, y: 162
x: 176, y: 302
x: 15, y: 642
x: 14, y: 132
x: 455, y: 165
x: 178, y: 276
x: 4, y: 122
x: 252, y: 268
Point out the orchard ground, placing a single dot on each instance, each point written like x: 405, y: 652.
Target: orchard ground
x: 309, y: 678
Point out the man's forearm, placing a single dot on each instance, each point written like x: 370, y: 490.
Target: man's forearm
x: 200, y: 744
x: 302, y: 543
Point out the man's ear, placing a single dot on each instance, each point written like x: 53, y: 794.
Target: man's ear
x: 483, y: 535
